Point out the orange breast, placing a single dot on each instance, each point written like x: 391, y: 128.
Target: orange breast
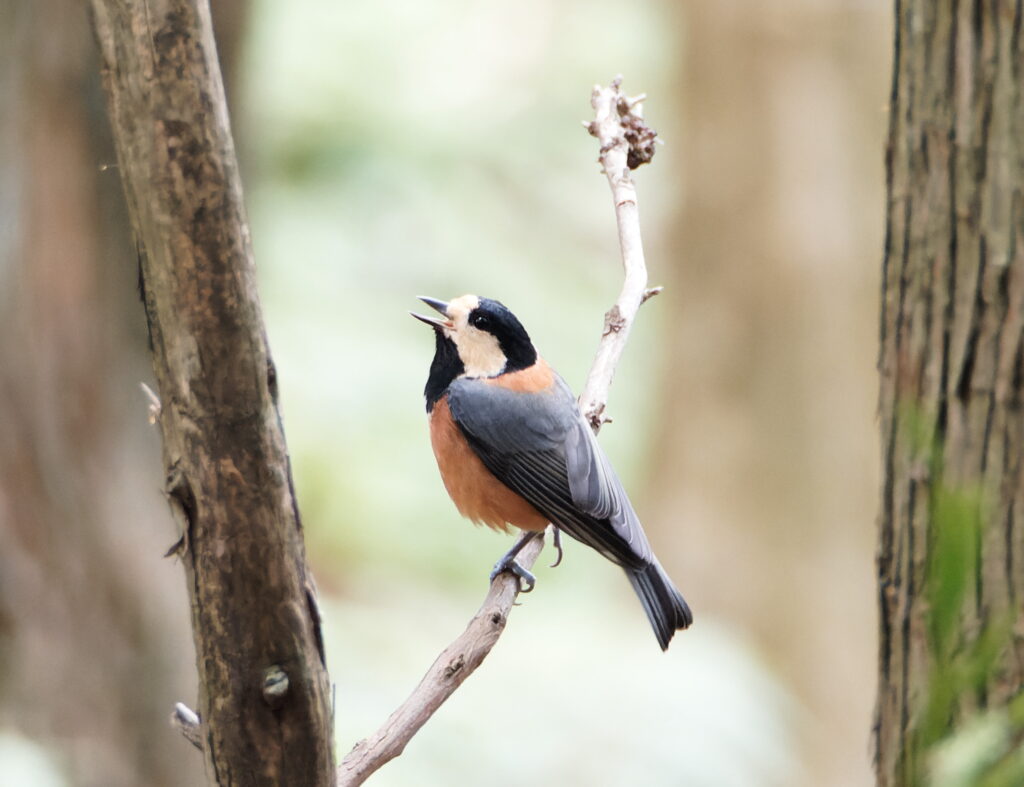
x: 474, y: 489
x: 537, y: 378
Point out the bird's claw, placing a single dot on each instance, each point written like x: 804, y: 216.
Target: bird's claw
x: 556, y: 542
x: 508, y: 564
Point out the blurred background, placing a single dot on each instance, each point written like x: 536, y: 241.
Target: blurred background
x: 397, y: 148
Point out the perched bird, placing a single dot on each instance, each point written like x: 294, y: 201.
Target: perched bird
x: 513, y: 449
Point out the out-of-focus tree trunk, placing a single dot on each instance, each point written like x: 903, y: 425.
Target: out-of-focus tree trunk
x: 94, y: 638
x: 951, y: 366
x: 763, y: 482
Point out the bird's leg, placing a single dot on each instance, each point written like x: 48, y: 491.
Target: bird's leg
x: 508, y: 562
x: 556, y: 542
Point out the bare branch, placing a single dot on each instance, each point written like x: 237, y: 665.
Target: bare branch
x: 185, y: 720
x: 626, y: 143
x: 452, y: 667
x: 154, y: 403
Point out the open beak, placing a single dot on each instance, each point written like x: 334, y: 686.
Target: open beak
x: 438, y: 306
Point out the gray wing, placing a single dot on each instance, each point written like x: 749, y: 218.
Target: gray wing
x: 538, y: 445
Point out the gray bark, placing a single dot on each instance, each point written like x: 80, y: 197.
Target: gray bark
x: 951, y: 376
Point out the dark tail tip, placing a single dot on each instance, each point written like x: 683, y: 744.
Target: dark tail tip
x: 665, y: 606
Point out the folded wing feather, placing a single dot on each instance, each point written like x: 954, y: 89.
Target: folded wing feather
x: 539, y: 445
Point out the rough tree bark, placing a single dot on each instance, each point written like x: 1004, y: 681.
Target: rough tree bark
x: 951, y: 371
x: 264, y: 696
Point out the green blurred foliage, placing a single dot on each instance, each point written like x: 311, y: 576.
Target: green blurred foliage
x: 985, y: 750
x: 956, y: 529
x: 988, y: 751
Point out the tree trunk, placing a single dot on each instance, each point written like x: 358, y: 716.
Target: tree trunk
x: 951, y: 551
x: 264, y: 698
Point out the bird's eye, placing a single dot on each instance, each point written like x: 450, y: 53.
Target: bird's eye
x: 480, y: 320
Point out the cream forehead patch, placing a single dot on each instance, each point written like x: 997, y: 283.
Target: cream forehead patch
x: 460, y: 308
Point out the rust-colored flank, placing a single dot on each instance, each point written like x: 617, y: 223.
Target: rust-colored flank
x: 474, y: 489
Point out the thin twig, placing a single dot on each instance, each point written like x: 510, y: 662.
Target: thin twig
x: 186, y: 721
x: 626, y: 143
x: 446, y: 674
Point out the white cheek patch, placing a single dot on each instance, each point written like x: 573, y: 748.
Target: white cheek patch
x: 480, y: 352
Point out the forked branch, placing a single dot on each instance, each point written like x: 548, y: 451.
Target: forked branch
x: 626, y: 143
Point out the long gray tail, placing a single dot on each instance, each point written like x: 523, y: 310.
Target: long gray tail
x: 665, y: 606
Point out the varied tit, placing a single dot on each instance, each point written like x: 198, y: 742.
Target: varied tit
x: 513, y: 449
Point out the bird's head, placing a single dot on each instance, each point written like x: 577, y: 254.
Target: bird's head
x: 480, y: 335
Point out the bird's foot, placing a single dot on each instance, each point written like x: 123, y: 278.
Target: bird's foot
x: 508, y: 564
